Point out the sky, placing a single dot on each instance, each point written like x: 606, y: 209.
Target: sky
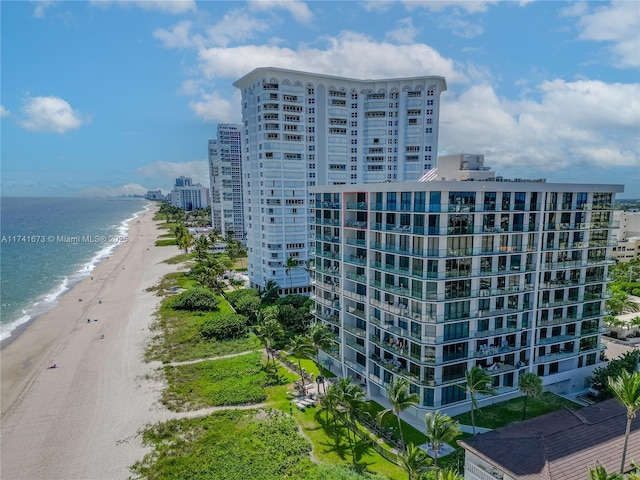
x: 120, y: 97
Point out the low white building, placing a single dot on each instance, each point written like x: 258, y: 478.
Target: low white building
x: 188, y: 196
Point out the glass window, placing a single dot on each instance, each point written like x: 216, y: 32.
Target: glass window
x: 434, y: 201
x: 419, y: 201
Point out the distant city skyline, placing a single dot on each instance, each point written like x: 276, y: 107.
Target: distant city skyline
x: 110, y: 98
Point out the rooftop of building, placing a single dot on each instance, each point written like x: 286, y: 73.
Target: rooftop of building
x: 468, y: 167
x: 262, y: 70
x: 562, y: 445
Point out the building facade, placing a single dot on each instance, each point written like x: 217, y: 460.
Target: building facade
x: 225, y: 171
x: 304, y: 129
x: 189, y: 196
x: 426, y: 279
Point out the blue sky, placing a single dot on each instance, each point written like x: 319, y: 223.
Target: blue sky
x: 110, y: 97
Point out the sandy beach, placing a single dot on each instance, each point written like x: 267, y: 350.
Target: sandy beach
x: 80, y: 419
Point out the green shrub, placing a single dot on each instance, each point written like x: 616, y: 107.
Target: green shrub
x: 196, y: 299
x: 225, y: 327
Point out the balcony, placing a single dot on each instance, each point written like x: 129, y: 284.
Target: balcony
x: 359, y: 242
x: 356, y: 346
x: 497, y: 332
x: 357, y: 278
x: 359, y: 332
x: 357, y: 312
x: 556, y: 356
x: 493, y: 351
x: 356, y: 205
x: 556, y: 339
x: 356, y: 367
x: 352, y: 259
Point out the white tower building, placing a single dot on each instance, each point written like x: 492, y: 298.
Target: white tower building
x: 225, y: 171
x: 304, y: 129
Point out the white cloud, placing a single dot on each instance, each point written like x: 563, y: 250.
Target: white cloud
x: 51, y: 114
x: 41, y: 7
x: 213, y: 108
x: 469, y: 6
x: 165, y: 6
x: 405, y: 33
x: 617, y: 24
x: 574, y: 125
x: 379, y: 6
x: 177, y: 37
x: 167, y: 172
x: 236, y: 26
x: 459, y: 27
x: 4, y: 112
x: 297, y: 9
x: 129, y: 189
x: 347, y: 54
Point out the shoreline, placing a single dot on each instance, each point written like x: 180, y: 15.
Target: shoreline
x: 17, y: 327
x: 80, y: 420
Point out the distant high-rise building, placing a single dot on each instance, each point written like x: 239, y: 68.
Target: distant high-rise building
x: 183, y: 181
x: 225, y: 171
x: 154, y: 195
x: 188, y: 196
x: 305, y: 129
x: 424, y: 280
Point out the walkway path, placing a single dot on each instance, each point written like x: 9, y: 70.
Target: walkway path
x: 199, y: 360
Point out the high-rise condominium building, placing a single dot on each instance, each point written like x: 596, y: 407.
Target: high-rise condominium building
x: 424, y: 280
x: 189, y: 196
x: 304, y: 129
x: 225, y: 171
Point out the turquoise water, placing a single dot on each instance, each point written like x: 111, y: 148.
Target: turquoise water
x: 49, y: 244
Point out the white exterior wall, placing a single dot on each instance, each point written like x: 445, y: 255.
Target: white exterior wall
x: 225, y: 170
x: 303, y: 129
x: 501, y: 274
x: 190, y: 198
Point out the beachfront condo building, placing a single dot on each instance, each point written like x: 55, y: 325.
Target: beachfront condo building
x: 424, y: 280
x: 225, y: 172
x: 304, y: 129
x: 189, y: 196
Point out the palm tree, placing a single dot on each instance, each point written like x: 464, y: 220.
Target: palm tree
x: 415, y: 461
x: 328, y: 404
x: 531, y: 385
x: 450, y: 474
x: 626, y: 388
x: 270, y: 294
x: 202, y: 247
x: 400, y: 399
x: 620, y: 303
x: 321, y: 338
x: 268, y: 330
x: 478, y: 382
x: 291, y: 264
x: 351, y: 407
x: 600, y: 473
x: 440, y: 428
x: 215, y: 237
x: 300, y: 346
x: 185, y: 241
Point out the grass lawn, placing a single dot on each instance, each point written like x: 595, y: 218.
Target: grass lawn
x: 310, y: 366
x: 166, y: 242
x: 504, y: 413
x: 180, y: 258
x: 228, y: 381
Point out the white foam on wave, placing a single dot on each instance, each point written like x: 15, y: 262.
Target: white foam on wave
x: 50, y: 300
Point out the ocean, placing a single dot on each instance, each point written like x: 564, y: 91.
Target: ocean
x: 47, y: 245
